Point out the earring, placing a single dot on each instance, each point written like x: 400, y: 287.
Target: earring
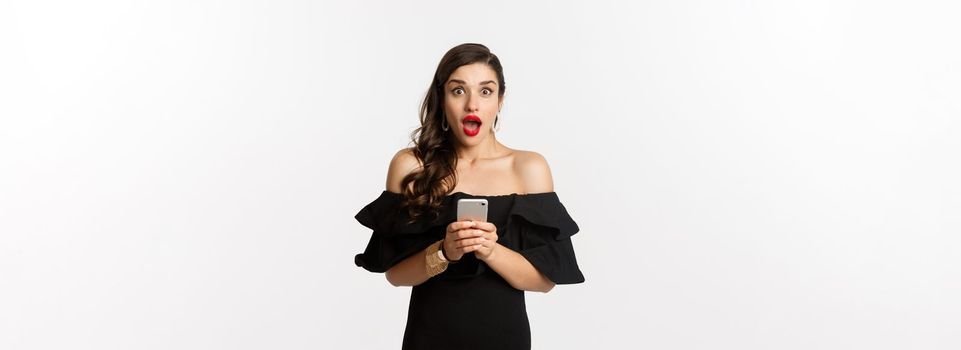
x: 444, y: 125
x: 497, y: 127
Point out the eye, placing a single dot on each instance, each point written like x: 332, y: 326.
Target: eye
x: 456, y: 90
x: 489, y: 91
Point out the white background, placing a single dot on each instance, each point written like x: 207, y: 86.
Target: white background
x: 746, y: 174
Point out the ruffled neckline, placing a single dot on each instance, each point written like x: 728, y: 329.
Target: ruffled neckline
x: 515, y: 194
x: 544, y: 208
x: 463, y: 194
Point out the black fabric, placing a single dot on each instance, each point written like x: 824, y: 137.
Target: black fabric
x: 448, y: 310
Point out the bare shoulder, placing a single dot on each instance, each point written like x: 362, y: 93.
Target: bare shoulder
x: 403, y: 163
x: 533, y: 171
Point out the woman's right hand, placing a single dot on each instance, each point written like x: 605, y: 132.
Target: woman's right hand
x: 460, y: 235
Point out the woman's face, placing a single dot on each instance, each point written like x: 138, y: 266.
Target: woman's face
x: 471, y: 102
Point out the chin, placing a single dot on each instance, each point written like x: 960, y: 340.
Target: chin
x: 473, y: 140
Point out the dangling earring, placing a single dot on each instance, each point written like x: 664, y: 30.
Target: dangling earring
x: 497, y: 128
x: 443, y: 125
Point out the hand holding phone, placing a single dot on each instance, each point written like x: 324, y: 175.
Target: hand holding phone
x: 478, y: 239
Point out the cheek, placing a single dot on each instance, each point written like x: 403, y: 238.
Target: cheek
x: 450, y: 105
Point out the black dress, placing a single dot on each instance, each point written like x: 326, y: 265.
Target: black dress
x: 470, y: 306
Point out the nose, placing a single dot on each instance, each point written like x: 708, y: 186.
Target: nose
x: 472, y: 102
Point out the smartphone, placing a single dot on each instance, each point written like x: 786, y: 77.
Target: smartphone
x: 472, y: 209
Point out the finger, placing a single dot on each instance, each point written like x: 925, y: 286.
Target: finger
x: 459, y: 225
x: 489, y: 236
x: 481, y: 233
x: 469, y: 233
x: 486, y: 226
x: 472, y: 248
x: 469, y: 242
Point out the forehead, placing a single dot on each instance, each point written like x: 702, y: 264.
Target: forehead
x: 474, y: 73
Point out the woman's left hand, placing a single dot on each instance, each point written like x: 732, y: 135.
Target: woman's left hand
x: 484, y: 250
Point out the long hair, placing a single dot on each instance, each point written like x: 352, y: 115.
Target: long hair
x: 424, y: 189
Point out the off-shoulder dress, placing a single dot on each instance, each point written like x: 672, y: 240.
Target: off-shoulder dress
x: 470, y: 306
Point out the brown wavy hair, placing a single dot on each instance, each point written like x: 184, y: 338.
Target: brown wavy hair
x: 424, y: 189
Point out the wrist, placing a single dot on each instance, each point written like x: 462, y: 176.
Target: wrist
x: 490, y: 257
x: 443, y: 253
x: 434, y: 263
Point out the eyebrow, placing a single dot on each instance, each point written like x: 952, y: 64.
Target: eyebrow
x: 462, y: 82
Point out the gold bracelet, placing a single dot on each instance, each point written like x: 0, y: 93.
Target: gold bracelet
x: 435, y: 265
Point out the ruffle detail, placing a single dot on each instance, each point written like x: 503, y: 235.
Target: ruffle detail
x: 384, y: 216
x: 394, y: 239
x: 543, y: 230
x: 546, y: 210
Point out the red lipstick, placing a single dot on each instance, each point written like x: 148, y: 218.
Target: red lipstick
x: 472, y: 125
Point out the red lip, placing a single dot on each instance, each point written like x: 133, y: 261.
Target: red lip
x: 471, y: 118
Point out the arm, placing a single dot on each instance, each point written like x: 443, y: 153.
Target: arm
x: 516, y: 270
x: 410, y: 271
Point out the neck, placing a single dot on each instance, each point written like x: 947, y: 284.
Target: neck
x: 490, y: 148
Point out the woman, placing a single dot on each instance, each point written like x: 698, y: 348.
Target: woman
x: 468, y: 277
